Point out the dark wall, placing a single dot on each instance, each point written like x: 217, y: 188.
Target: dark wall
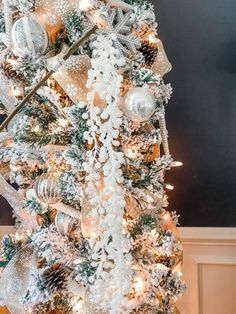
x: 200, y: 40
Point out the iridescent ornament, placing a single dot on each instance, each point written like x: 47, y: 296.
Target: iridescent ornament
x: 139, y: 104
x: 64, y: 223
x: 47, y: 188
x: 29, y: 36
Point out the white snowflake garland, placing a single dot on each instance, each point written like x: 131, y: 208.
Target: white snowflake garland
x: 104, y: 164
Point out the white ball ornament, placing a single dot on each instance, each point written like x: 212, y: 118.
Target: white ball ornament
x: 139, y: 104
x: 29, y: 36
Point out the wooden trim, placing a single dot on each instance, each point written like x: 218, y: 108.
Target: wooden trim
x: 5, y: 230
x: 207, y: 236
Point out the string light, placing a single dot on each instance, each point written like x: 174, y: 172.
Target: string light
x: 62, y: 122
x: 85, y: 5
x: 177, y: 164
x: 36, y: 129
x: 138, y: 284
x: 169, y: 187
x: 17, y: 91
x: 152, y: 39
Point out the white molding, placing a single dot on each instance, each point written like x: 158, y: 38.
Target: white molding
x: 207, y: 234
x: 5, y: 230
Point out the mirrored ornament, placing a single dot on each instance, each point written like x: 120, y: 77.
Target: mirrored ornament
x: 139, y: 104
x: 47, y: 188
x: 64, y: 223
x: 29, y: 36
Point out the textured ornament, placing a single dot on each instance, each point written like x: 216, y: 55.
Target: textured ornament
x: 138, y: 104
x: 119, y: 30
x: 64, y: 223
x: 15, y: 278
x: 161, y: 64
x: 47, y: 188
x: 29, y: 36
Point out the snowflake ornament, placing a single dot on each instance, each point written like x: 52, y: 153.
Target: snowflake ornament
x: 119, y: 30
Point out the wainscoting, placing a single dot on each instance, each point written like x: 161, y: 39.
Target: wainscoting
x: 209, y: 270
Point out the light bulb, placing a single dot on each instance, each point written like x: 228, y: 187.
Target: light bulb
x: 152, y: 39
x: 62, y: 122
x: 36, y: 129
x: 17, y: 91
x: 177, y: 164
x: 138, y: 284
x: 169, y: 187
x: 85, y: 5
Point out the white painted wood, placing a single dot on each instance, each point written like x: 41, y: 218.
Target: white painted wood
x: 209, y: 261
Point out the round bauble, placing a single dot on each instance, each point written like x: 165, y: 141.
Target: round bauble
x: 29, y: 36
x: 138, y: 104
x: 64, y: 223
x: 47, y: 188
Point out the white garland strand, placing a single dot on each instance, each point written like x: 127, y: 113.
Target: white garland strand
x: 9, y: 23
x: 104, y: 176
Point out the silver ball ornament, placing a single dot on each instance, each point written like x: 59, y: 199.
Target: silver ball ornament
x: 29, y: 36
x: 139, y: 104
x: 64, y: 223
x: 47, y: 188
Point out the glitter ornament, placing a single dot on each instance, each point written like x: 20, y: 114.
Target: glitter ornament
x: 29, y: 36
x: 161, y: 64
x: 47, y: 188
x: 64, y: 223
x: 138, y: 104
x: 15, y: 279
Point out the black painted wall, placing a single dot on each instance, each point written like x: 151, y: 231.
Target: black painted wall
x: 200, y: 40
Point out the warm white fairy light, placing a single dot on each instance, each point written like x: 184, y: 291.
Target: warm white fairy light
x: 169, y: 187
x: 152, y: 39
x: 85, y: 5
x: 36, y: 129
x: 138, y: 284
x: 17, y: 91
x: 62, y: 122
x: 78, y: 307
x: 177, y: 164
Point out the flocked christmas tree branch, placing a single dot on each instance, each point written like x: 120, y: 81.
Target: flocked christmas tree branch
x: 70, y: 52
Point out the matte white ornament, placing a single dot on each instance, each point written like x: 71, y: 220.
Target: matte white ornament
x: 29, y: 36
x: 139, y: 104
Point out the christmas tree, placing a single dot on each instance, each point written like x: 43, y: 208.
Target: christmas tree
x: 86, y: 146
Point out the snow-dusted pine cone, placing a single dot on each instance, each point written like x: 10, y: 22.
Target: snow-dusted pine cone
x: 10, y: 72
x: 54, y: 278
x: 149, y: 52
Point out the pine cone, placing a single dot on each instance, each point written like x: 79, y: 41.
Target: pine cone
x: 149, y: 52
x: 10, y: 72
x: 54, y: 278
